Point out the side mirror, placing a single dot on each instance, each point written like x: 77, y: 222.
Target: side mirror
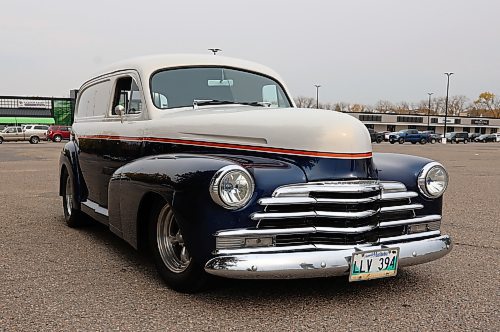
x: 120, y: 111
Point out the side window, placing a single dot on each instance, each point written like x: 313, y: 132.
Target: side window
x: 94, y: 100
x: 19, y: 130
x: 11, y: 130
x: 128, y: 95
x: 41, y: 127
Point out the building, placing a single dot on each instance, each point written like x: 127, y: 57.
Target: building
x: 18, y: 110
x: 396, y: 122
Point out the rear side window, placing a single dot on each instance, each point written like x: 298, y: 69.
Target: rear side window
x: 41, y: 127
x: 94, y: 100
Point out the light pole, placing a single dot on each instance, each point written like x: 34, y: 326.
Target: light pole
x: 429, y: 109
x: 215, y: 50
x: 446, y: 103
x: 317, y: 94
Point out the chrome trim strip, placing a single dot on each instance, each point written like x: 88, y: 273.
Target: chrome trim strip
x: 388, y: 196
x: 392, y: 186
x: 312, y: 214
x: 401, y: 208
x: 282, y: 215
x: 96, y: 207
x: 408, y: 236
x: 260, y: 232
x: 345, y: 230
x: 286, y: 200
x: 417, y: 220
x: 317, y: 263
x: 249, y: 232
x: 335, y: 187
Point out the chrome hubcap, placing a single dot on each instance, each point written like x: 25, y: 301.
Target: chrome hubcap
x: 69, y: 196
x: 170, y: 242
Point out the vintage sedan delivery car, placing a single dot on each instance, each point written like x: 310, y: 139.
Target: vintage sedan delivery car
x: 206, y: 161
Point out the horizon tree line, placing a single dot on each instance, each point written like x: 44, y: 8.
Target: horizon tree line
x: 487, y: 104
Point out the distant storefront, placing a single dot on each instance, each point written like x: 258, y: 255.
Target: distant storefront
x: 395, y: 122
x: 17, y: 110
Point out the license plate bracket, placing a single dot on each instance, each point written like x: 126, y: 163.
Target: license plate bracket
x: 374, y: 264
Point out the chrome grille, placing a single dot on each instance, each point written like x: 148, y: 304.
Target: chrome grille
x: 338, y: 214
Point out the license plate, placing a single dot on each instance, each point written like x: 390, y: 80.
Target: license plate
x: 373, y: 264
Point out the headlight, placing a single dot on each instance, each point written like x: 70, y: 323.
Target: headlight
x: 433, y: 180
x: 232, y: 187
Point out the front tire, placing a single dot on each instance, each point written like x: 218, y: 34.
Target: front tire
x: 423, y: 141
x: 379, y: 140
x: 401, y: 140
x: 433, y: 141
x: 57, y: 138
x: 175, y: 265
x: 72, y: 215
x: 1, y: 140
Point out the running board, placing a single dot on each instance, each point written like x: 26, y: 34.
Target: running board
x: 96, y: 207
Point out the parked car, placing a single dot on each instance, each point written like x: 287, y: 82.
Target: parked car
x: 497, y: 137
x: 207, y: 162
x: 473, y: 136
x: 387, y: 134
x: 58, y: 133
x: 375, y: 136
x: 485, y: 138
x: 457, y: 137
x: 432, y: 136
x: 13, y: 134
x: 409, y: 135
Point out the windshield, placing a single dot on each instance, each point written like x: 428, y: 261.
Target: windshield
x: 182, y: 87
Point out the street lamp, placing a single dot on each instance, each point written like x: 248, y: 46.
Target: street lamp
x: 317, y: 95
x: 446, y: 104
x: 215, y: 50
x: 429, y: 109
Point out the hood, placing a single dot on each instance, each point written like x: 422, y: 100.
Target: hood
x: 308, y: 132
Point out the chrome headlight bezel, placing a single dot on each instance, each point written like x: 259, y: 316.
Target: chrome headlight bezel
x: 423, y: 179
x: 216, y: 190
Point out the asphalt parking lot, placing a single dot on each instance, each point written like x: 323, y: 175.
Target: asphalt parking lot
x: 56, y: 278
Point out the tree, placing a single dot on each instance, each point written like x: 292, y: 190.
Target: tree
x: 487, y: 105
x: 305, y: 102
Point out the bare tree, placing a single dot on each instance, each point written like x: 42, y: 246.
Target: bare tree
x: 385, y: 106
x: 305, y: 102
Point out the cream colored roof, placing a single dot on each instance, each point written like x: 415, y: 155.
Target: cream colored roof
x: 146, y: 65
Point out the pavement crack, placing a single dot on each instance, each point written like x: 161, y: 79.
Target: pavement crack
x: 475, y: 245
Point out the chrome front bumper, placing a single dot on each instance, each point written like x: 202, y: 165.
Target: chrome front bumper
x: 318, y: 263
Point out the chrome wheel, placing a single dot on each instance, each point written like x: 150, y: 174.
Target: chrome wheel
x: 171, y: 247
x: 69, y: 197
x: 57, y: 138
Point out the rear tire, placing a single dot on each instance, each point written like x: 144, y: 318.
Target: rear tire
x: 433, y: 141
x: 379, y: 140
x: 34, y: 140
x: 180, y: 271
x: 57, y: 138
x: 72, y: 215
x: 1, y: 140
x: 423, y: 141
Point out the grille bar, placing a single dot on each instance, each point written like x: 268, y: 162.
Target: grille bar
x: 418, y: 220
x: 304, y: 190
x: 313, y: 214
x: 398, y: 208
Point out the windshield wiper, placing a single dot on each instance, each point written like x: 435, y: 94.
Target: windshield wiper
x: 201, y: 102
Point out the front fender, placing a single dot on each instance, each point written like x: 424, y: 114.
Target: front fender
x: 406, y: 168
x: 183, y: 181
